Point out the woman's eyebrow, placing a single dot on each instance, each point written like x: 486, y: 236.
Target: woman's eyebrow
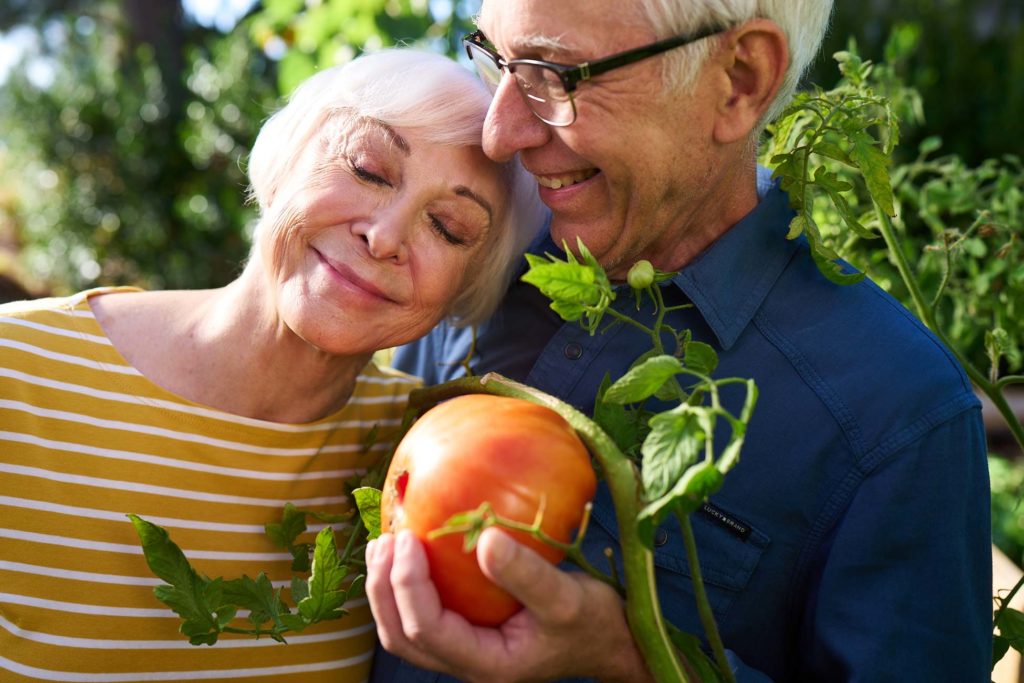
x: 463, y: 191
x: 392, y: 135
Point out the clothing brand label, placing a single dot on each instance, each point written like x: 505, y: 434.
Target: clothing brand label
x: 734, y: 526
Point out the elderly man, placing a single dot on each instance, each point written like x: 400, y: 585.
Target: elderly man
x: 851, y: 543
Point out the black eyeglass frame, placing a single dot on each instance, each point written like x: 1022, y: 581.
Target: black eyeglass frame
x: 571, y: 76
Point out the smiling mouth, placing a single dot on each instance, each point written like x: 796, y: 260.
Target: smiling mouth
x: 557, y: 182
x: 350, y: 277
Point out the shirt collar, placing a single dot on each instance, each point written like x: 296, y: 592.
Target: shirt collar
x: 730, y: 279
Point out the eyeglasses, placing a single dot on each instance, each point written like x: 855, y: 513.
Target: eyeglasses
x: 547, y: 87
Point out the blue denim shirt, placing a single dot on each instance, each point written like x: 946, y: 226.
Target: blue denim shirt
x: 852, y: 540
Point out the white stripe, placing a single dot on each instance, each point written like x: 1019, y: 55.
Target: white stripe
x: 62, y: 331
x: 161, y: 432
x: 110, y: 611
x: 132, y: 549
x: 130, y: 456
x: 199, y: 410
x: 167, y: 522
x: 79, y: 608
x: 69, y: 574
x: 91, y: 513
x: 48, y: 675
x: 136, y: 487
x: 73, y: 360
x: 91, y: 577
x: 179, y: 643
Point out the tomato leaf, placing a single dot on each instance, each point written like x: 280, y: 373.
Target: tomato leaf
x: 690, y: 491
x: 576, y: 289
x: 368, y: 501
x: 700, y: 357
x: 293, y: 523
x: 284, y: 534
x: 196, y: 599
x: 623, y: 425
x: 326, y: 596
x: 874, y: 166
x: 690, y: 646
x: 673, y: 444
x: 563, y: 282
x: 643, y: 380
x: 259, y: 597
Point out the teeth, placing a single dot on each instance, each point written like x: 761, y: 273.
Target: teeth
x: 558, y: 182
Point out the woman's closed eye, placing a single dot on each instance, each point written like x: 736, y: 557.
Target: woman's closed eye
x: 369, y: 176
x: 441, y: 228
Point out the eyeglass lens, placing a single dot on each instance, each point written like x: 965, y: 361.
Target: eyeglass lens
x: 541, y: 86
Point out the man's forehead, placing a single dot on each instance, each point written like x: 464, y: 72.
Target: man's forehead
x: 554, y: 26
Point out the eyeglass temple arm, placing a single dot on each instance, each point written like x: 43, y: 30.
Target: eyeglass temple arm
x: 584, y: 72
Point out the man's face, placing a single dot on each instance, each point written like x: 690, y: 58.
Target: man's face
x: 632, y: 176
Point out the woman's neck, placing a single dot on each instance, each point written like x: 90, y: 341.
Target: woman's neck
x: 225, y: 348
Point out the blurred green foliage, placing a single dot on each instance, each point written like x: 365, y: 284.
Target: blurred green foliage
x: 119, y: 172
x: 1007, y: 477
x: 967, y: 63
x: 308, y: 36
x: 960, y: 226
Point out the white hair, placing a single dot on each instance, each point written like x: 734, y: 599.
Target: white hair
x: 437, y: 100
x: 804, y: 22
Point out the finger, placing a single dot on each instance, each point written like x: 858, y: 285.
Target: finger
x: 440, y: 634
x: 416, y: 597
x: 380, y: 563
x: 379, y: 558
x: 553, y: 596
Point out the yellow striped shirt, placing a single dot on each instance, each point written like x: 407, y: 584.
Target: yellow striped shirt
x: 85, y: 439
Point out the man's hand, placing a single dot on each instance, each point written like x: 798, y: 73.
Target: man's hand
x: 571, y: 624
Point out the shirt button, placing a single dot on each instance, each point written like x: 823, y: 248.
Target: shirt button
x: 573, y: 351
x: 660, y: 538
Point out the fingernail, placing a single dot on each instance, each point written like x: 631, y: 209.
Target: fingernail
x: 370, y: 549
x: 404, y: 541
x: 501, y: 547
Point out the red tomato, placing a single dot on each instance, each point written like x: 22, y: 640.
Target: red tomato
x: 511, y: 453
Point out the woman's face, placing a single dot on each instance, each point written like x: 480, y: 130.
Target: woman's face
x: 375, y: 233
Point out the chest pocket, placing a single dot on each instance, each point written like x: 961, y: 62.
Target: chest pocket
x: 729, y: 552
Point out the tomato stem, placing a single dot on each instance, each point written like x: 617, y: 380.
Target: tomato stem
x: 707, y: 617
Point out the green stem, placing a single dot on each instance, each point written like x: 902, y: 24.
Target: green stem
x: 626, y: 319
x: 926, y: 313
x: 1004, y: 604
x: 353, y: 538
x: 707, y: 616
x: 1008, y: 380
x: 643, y: 610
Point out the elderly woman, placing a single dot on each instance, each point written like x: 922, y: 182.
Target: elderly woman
x: 207, y: 411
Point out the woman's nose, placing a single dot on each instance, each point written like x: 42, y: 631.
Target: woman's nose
x: 510, y: 126
x: 385, y: 234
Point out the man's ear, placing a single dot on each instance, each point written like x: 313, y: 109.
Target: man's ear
x: 755, y: 59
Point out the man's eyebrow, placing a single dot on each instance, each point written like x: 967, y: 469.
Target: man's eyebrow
x: 463, y: 191
x: 539, y: 42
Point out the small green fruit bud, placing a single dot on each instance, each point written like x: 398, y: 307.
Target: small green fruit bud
x: 641, y: 275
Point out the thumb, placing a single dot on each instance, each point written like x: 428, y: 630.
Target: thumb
x: 543, y: 589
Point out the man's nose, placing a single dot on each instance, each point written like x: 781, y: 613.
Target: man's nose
x: 510, y: 126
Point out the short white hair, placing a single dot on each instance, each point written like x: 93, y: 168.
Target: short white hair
x: 435, y: 99
x: 804, y: 22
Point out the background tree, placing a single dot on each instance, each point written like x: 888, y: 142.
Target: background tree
x: 120, y: 163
